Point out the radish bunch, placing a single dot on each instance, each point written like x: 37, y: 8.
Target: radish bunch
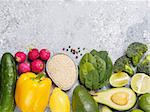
x: 35, y: 61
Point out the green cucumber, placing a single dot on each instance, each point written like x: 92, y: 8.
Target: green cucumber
x: 7, y: 83
x: 82, y: 101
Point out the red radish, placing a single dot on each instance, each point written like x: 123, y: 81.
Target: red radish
x: 33, y: 54
x: 24, y: 67
x: 44, y: 54
x: 37, y: 66
x: 20, y: 57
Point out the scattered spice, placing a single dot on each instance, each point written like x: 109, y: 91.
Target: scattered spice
x: 74, y: 51
x: 76, y: 57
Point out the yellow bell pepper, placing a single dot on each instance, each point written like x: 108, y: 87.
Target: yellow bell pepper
x: 32, y: 92
x: 59, y: 101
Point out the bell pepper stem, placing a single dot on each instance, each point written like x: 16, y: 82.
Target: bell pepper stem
x: 40, y: 76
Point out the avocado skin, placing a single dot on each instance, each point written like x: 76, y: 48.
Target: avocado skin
x: 82, y: 101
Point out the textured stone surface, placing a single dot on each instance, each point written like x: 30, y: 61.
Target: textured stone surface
x: 110, y: 26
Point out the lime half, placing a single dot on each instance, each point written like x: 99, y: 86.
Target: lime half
x: 119, y: 79
x: 105, y: 109
x: 140, y: 83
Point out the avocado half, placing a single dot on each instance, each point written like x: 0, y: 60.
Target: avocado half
x: 117, y: 98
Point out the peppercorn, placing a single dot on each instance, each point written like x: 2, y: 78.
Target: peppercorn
x: 63, y: 49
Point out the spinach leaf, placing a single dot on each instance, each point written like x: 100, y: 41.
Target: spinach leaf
x: 95, y: 69
x: 101, y: 68
x: 84, y: 70
x: 92, y: 80
x: 109, y: 65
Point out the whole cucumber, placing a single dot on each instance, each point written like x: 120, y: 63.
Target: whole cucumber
x: 8, y: 76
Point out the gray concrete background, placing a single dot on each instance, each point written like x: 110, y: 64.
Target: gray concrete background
x: 110, y: 25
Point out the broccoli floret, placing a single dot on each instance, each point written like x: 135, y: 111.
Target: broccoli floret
x: 123, y: 64
x: 135, y: 52
x: 144, y: 66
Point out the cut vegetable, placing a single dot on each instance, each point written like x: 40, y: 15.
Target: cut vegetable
x: 62, y: 70
x: 116, y: 98
x: 105, y: 109
x: 140, y: 83
x: 137, y: 110
x: 119, y: 79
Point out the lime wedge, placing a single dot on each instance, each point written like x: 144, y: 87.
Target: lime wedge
x: 119, y: 79
x: 140, y: 83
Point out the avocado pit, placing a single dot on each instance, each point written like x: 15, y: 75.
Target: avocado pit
x: 120, y: 98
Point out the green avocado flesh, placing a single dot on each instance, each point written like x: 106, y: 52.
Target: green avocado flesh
x: 117, y: 98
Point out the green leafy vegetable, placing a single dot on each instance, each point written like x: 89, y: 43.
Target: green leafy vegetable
x: 144, y: 66
x: 109, y: 65
x: 95, y: 69
x: 135, y: 52
x: 123, y: 64
x: 101, y: 67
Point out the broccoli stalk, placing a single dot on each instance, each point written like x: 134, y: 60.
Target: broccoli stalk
x: 135, y: 52
x: 128, y: 70
x: 144, y: 66
x: 122, y: 64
